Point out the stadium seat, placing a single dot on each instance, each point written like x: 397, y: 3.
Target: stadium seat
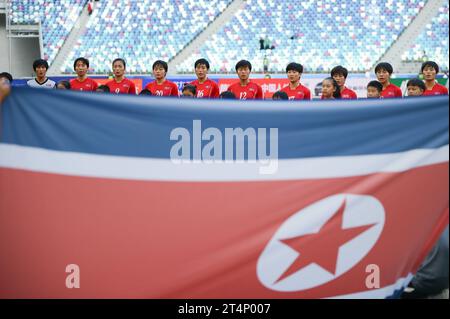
x: 318, y: 34
x: 142, y: 31
x: 432, y: 43
x: 57, y: 18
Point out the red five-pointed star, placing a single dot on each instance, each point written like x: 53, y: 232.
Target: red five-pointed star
x: 322, y: 248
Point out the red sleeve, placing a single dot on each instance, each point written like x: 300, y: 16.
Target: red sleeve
x: 398, y: 92
x: 175, y: 90
x: 259, y: 93
x: 149, y: 87
x: 231, y: 89
x: 214, y: 91
x: 132, y: 90
x: 94, y: 85
x: 72, y: 87
x: 108, y: 84
x: 307, y: 94
x: 353, y: 95
x: 444, y: 90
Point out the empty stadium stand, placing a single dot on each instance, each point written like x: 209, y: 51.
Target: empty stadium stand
x: 319, y: 34
x: 57, y: 18
x: 142, y: 31
x: 432, y: 43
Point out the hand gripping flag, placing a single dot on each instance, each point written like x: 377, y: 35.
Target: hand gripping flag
x: 174, y: 198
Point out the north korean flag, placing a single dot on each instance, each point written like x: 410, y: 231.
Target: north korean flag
x: 358, y: 197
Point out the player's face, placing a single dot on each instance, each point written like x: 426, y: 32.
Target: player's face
x: 41, y: 71
x: 383, y: 76
x: 414, y: 90
x: 328, y: 89
x: 5, y: 82
x: 340, y: 79
x: 243, y: 73
x: 81, y: 68
x: 159, y: 72
x: 373, y: 93
x: 118, y: 69
x: 5, y: 86
x: 429, y: 73
x: 293, y: 76
x: 201, y: 71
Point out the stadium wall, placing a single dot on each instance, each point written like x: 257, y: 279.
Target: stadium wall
x: 24, y: 52
x: 4, y: 54
x: 18, y: 59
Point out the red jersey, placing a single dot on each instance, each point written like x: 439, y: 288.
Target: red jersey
x: 88, y: 85
x: 124, y: 87
x: 299, y: 93
x: 249, y: 92
x: 167, y: 88
x: 207, y: 89
x: 348, y: 94
x: 391, y: 91
x: 437, y: 89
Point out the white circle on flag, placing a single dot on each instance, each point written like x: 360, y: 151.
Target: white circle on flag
x: 277, y: 257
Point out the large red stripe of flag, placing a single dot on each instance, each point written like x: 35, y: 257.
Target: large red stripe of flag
x: 155, y: 239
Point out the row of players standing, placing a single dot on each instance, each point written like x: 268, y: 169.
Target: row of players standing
x: 332, y: 88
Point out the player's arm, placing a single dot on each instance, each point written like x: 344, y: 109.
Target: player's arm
x: 132, y: 90
x: 214, y: 91
x: 307, y: 95
x: 259, y: 93
x: 108, y: 84
x: 94, y: 85
x: 150, y: 88
x: 174, y: 91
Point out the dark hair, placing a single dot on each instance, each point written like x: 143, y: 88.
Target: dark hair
x: 40, y: 62
x: 280, y: 95
x: 376, y: 85
x: 104, y: 88
x: 65, y: 83
x: 191, y: 88
x: 227, y: 95
x: 384, y: 66
x: 294, y: 67
x: 337, y: 92
x: 146, y: 92
x: 339, y: 70
x: 416, y: 82
x: 120, y: 60
x: 430, y: 63
x: 6, y: 75
x: 160, y: 63
x: 84, y: 60
x: 201, y: 61
x: 242, y: 64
